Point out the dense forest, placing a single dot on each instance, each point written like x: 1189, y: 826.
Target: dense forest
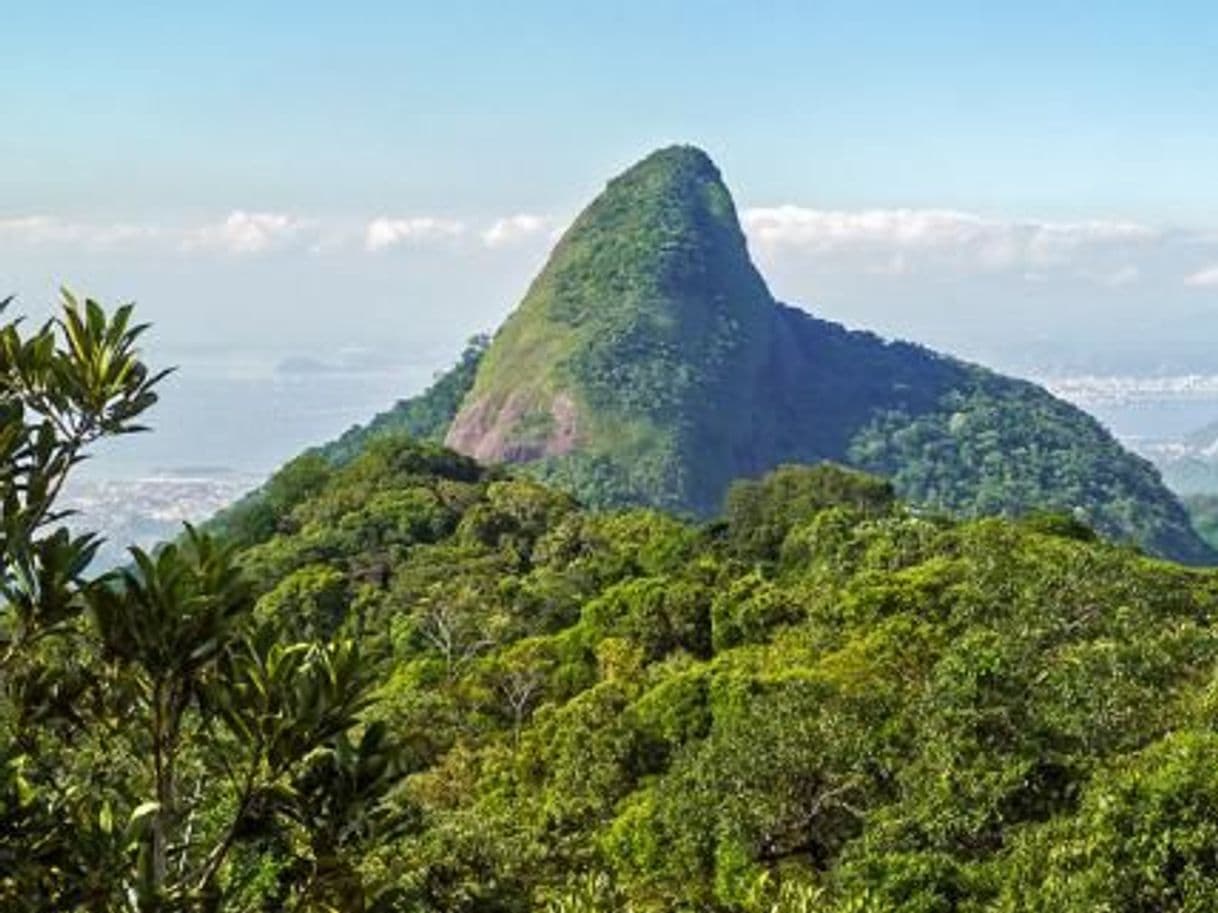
x: 824, y: 700
x: 406, y: 682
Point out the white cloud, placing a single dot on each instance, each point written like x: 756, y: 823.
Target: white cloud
x: 513, y: 229
x: 248, y: 232
x: 254, y: 232
x: 1205, y: 278
x: 54, y: 230
x: 943, y: 236
x: 384, y: 232
x: 39, y: 229
x: 822, y: 229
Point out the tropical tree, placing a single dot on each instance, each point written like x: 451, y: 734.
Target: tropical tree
x: 160, y: 749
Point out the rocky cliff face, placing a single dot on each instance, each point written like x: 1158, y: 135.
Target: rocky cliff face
x: 513, y: 430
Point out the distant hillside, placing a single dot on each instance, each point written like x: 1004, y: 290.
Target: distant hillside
x: 1189, y: 465
x: 1203, y: 510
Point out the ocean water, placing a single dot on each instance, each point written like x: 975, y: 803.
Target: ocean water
x: 247, y: 417
x: 220, y: 427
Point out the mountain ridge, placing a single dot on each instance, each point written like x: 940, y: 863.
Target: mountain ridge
x: 649, y: 364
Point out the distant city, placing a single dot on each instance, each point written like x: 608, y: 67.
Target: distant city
x: 150, y: 510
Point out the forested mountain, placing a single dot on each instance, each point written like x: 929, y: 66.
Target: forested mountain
x: 588, y: 672
x: 648, y: 364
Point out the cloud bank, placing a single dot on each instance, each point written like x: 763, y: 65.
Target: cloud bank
x: 1113, y: 254
x: 904, y: 240
x: 385, y: 232
x: 248, y: 233
x: 45, y: 230
x: 515, y: 229
x: 1204, y: 278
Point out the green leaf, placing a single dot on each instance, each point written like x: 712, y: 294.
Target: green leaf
x: 141, y: 818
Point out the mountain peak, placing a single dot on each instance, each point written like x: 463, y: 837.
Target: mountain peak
x: 643, y: 317
x: 673, y: 196
x: 677, y: 159
x: 649, y: 364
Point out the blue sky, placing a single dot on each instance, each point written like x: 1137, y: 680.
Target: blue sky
x: 1103, y: 108
x: 1026, y: 183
